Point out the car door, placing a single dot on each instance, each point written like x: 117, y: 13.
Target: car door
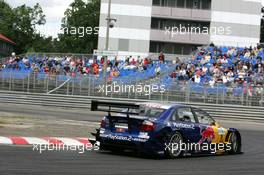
x: 210, y: 131
x: 184, y: 120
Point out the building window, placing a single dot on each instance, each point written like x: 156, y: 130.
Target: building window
x: 166, y: 3
x: 155, y: 23
x: 206, y: 4
x: 180, y: 3
x: 172, y: 3
x: 161, y: 24
x: 172, y: 48
x: 191, y: 4
x: 156, y: 2
x: 196, y: 4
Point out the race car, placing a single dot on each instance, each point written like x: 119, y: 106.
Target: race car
x: 171, y: 130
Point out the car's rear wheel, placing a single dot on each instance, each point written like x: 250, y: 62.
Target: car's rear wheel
x: 173, y: 146
x: 235, y: 143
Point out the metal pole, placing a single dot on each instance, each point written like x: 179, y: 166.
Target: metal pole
x: 89, y: 86
x: 73, y: 81
x: 10, y: 81
x: 107, y: 37
x: 80, y: 84
x: 28, y: 83
x: 3, y: 80
x: 68, y: 84
x: 48, y: 84
x: 34, y: 82
x: 108, y: 25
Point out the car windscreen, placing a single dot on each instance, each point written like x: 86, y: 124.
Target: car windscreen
x: 151, y: 112
x: 146, y: 111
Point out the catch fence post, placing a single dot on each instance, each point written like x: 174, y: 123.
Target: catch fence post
x: 34, y: 82
x: 3, y: 80
x: 89, y: 86
x: 68, y: 84
x: 10, y: 80
x: 242, y: 99
x: 28, y: 82
x: 80, y: 84
x: 73, y: 86
x: 47, y: 83
x: 23, y: 85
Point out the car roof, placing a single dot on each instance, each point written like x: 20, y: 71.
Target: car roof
x: 161, y: 105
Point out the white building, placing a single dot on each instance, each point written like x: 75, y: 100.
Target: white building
x: 179, y: 26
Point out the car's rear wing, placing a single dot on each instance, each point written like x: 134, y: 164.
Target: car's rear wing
x: 114, y: 107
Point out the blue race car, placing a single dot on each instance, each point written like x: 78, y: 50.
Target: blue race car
x: 172, y: 130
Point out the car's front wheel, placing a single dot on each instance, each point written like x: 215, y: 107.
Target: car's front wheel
x: 173, y: 146
x: 235, y: 143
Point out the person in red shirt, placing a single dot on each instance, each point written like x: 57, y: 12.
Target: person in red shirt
x: 173, y: 74
x: 161, y: 57
x: 146, y: 61
x: 96, y: 69
x: 133, y: 62
x: 102, y: 61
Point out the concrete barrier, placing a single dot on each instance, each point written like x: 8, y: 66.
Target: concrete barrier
x: 219, y: 111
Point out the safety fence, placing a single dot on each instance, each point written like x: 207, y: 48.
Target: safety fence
x: 153, y: 88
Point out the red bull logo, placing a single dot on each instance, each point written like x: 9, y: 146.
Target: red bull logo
x: 207, y: 134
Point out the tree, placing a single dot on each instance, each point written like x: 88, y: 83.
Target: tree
x: 80, y: 24
x: 20, y: 23
x: 42, y: 44
x: 6, y: 19
x: 81, y: 17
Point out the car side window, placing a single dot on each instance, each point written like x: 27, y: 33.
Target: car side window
x: 185, y: 115
x: 203, y: 117
x: 174, y: 116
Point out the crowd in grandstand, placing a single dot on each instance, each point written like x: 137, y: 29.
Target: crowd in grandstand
x: 229, y: 66
x: 211, y: 66
x: 74, y: 66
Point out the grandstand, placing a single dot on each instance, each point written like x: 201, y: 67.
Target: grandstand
x: 222, y: 65
x: 126, y: 70
x: 212, y: 72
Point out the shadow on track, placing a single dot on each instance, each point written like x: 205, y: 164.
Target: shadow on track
x: 134, y: 154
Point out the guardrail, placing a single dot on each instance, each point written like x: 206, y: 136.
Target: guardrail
x: 216, y: 110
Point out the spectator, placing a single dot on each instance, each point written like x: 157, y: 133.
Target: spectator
x: 133, y: 62
x: 162, y: 57
x: 173, y: 74
x: 157, y: 70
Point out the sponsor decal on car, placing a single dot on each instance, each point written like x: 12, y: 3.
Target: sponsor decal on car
x: 124, y: 138
x: 221, y: 131
x: 143, y: 135
x: 207, y: 134
x: 183, y: 125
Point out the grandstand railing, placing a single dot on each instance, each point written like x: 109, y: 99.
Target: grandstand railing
x: 90, y: 86
x: 153, y: 56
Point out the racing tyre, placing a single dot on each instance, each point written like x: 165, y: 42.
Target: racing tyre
x: 173, y: 146
x: 235, y: 143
